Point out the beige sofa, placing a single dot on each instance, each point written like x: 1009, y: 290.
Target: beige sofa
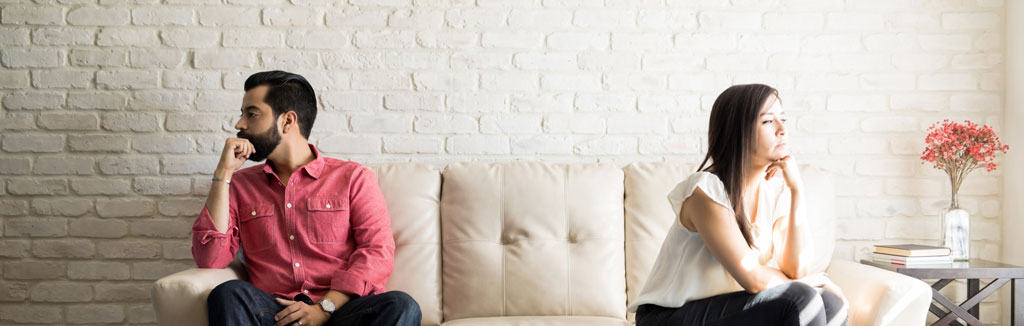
x: 549, y: 244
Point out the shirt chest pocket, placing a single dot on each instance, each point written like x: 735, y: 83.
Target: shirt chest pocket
x: 328, y: 219
x: 257, y: 226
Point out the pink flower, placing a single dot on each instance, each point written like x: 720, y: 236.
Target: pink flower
x: 959, y: 148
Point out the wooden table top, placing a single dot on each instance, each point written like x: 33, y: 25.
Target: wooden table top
x: 974, y: 268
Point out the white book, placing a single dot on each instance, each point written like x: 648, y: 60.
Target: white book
x: 912, y: 260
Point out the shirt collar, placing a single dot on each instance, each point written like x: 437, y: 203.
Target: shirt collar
x: 313, y: 168
x: 316, y: 166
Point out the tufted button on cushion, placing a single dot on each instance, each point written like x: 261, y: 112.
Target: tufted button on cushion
x: 504, y: 240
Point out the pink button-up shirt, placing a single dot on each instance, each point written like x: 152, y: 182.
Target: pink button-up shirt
x: 328, y: 229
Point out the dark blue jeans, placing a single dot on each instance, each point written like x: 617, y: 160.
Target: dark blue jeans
x: 790, y: 304
x: 238, y: 302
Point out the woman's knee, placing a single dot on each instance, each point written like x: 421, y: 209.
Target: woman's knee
x: 831, y: 300
x: 835, y: 307
x: 800, y: 289
x: 805, y: 304
x: 801, y: 295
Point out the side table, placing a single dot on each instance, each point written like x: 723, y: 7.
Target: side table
x: 972, y: 271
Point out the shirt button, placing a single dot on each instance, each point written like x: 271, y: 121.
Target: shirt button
x: 253, y: 213
x: 291, y: 237
x: 305, y: 291
x: 296, y: 264
x: 289, y: 205
x: 328, y: 205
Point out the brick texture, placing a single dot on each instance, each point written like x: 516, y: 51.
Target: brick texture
x: 112, y: 113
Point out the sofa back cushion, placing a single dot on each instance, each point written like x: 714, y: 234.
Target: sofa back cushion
x: 413, y: 195
x: 649, y: 216
x: 821, y: 216
x: 532, y: 239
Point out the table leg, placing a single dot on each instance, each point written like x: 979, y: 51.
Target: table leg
x: 938, y: 312
x: 954, y: 311
x: 934, y: 309
x: 1016, y: 303
x: 972, y: 289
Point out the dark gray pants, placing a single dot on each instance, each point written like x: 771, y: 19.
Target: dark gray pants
x: 238, y: 302
x: 790, y: 304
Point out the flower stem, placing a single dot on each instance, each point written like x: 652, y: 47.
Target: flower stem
x: 951, y: 172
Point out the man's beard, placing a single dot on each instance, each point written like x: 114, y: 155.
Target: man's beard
x: 263, y: 143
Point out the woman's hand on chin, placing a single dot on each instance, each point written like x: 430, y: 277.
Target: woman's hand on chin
x: 788, y: 167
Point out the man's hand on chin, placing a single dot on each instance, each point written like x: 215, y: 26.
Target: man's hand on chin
x: 300, y: 313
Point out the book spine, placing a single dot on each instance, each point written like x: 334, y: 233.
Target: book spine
x: 908, y: 253
x: 914, y: 261
x: 937, y: 259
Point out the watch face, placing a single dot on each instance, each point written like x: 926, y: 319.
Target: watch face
x: 327, y: 305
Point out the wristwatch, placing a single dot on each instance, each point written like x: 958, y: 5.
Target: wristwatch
x: 327, y: 305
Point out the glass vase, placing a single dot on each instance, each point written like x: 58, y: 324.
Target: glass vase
x: 956, y: 231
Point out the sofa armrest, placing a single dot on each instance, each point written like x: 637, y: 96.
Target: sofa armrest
x: 180, y: 298
x: 881, y: 297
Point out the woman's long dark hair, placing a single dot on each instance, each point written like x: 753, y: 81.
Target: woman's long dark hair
x: 731, y: 140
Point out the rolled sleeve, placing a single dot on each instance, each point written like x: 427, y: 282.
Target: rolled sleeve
x: 212, y: 248
x: 351, y: 283
x: 370, y: 265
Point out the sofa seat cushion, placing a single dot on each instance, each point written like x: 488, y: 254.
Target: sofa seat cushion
x: 538, y: 321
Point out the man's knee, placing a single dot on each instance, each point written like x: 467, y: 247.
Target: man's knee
x: 227, y: 291
x: 402, y: 302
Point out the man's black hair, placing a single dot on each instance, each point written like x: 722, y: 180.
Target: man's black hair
x: 287, y: 92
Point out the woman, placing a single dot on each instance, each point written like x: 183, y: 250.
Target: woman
x: 733, y: 257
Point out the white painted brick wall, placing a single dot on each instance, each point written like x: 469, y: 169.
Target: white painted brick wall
x: 113, y: 112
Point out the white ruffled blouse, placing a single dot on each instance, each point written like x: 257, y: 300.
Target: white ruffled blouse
x: 685, y: 270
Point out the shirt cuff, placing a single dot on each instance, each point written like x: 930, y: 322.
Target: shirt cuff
x: 205, y: 237
x: 205, y: 231
x: 350, y: 283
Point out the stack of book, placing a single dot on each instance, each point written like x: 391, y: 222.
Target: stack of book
x: 912, y: 255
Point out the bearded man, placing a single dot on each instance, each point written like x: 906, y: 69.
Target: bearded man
x: 314, y: 231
